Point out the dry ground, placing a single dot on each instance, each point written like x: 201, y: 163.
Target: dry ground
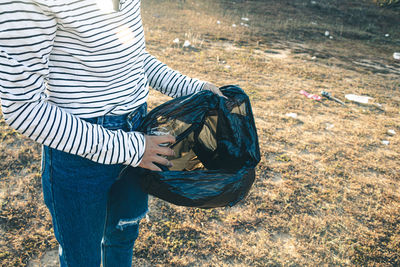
x: 327, y: 188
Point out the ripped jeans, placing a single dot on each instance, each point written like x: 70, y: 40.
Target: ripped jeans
x: 95, y: 215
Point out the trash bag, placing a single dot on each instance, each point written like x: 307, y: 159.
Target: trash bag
x: 216, y: 149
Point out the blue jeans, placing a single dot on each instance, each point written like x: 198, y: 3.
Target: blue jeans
x: 95, y: 214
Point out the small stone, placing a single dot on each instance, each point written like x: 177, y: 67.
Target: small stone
x: 385, y: 142
x: 396, y: 55
x: 186, y: 43
x: 291, y: 115
x: 245, y: 19
x: 391, y: 132
x: 329, y: 126
x: 387, y: 35
x: 234, y: 25
x: 327, y: 33
x: 176, y: 41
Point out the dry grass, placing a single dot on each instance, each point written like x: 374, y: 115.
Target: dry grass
x: 327, y: 188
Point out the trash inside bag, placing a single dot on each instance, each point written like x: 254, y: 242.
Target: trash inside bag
x: 216, y: 149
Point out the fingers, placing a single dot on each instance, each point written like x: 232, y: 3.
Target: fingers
x: 159, y: 144
x: 164, y: 151
x: 219, y: 93
x: 155, y: 152
x: 150, y: 164
x: 162, y: 139
x: 211, y: 87
x: 154, y: 167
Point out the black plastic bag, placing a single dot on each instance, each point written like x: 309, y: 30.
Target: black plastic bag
x: 216, y: 149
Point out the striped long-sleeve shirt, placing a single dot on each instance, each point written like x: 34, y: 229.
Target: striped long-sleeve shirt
x: 63, y: 60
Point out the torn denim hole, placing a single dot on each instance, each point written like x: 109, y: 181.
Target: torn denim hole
x: 128, y: 222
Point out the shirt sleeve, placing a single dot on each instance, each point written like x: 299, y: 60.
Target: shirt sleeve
x: 168, y: 81
x: 26, y: 40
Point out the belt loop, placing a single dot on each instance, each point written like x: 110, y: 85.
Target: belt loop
x: 100, y: 120
x: 129, y: 119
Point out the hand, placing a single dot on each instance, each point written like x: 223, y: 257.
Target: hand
x: 211, y: 87
x: 154, y: 153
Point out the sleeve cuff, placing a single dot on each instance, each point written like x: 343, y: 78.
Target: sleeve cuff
x: 138, y: 146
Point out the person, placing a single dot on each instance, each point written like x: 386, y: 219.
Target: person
x: 74, y: 77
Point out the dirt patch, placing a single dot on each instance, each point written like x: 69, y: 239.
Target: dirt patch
x: 326, y: 191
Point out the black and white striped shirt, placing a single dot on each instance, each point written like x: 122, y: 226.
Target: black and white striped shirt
x: 62, y: 60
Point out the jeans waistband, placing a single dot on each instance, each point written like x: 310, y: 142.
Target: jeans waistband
x: 129, y: 121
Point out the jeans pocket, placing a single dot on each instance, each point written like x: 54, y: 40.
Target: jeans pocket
x: 135, y: 118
